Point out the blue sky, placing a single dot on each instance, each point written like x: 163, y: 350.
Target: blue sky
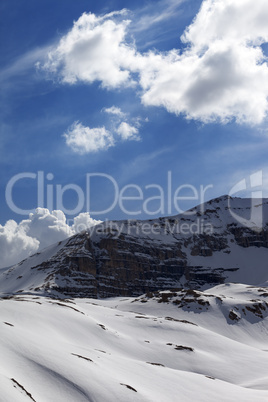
x: 125, y: 95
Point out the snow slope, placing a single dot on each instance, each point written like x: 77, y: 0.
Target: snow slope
x: 164, y: 347
x: 21, y: 274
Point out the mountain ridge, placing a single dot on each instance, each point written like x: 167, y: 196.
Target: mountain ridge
x: 129, y: 258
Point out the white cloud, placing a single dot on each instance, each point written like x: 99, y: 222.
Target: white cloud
x: 128, y: 132
x: 46, y: 227
x: 114, y: 110
x: 82, y: 222
x: 20, y: 240
x: 94, y: 50
x: 239, y: 21
x: 225, y: 82
x: 221, y: 75
x: 82, y: 139
x: 15, y: 245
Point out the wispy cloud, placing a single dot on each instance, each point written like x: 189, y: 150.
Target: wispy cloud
x: 24, y: 63
x: 155, y: 13
x: 141, y: 164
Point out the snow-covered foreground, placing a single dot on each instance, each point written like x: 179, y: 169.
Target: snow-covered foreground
x: 210, y: 346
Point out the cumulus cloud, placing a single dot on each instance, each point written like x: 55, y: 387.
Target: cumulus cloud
x: 15, y: 244
x: 223, y: 73
x: 82, y: 139
x: 46, y: 227
x: 82, y: 222
x: 225, y: 82
x: 114, y: 110
x: 20, y: 240
x: 220, y: 75
x: 128, y: 132
x: 95, y: 49
x: 240, y: 21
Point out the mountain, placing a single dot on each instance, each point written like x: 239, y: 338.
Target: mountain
x: 223, y: 240
x: 181, y: 332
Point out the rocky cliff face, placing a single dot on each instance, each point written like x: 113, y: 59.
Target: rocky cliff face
x: 198, y: 249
